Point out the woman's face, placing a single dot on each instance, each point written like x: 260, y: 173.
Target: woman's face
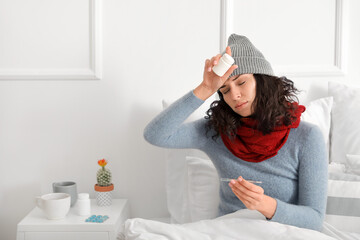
x: 239, y: 93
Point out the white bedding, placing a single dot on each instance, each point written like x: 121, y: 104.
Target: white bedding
x: 243, y: 224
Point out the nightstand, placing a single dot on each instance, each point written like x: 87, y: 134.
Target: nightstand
x: 35, y: 226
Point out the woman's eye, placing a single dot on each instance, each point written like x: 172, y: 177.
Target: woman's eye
x: 241, y: 83
x: 225, y: 91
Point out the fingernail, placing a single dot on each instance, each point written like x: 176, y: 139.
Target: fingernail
x: 215, y: 62
x: 240, y: 179
x: 209, y: 69
x: 232, y: 181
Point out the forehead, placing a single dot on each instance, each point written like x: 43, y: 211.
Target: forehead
x: 238, y: 77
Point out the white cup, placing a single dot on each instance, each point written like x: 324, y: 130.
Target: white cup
x: 55, y: 205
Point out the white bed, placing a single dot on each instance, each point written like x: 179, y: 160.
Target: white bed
x: 244, y: 224
x: 192, y: 185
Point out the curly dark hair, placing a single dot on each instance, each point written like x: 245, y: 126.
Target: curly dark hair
x: 271, y: 107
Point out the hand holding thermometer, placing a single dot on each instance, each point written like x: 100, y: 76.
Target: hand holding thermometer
x: 229, y: 179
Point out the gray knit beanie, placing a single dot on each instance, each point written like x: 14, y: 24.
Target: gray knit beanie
x: 248, y: 58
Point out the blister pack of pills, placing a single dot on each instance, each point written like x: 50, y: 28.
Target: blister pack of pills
x: 97, y: 219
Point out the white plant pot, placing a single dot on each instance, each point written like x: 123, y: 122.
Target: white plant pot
x: 104, y: 198
x: 104, y: 195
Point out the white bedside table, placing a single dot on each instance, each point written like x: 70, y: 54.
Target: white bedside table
x: 35, y: 226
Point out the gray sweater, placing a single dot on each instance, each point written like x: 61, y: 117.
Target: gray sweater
x: 296, y: 177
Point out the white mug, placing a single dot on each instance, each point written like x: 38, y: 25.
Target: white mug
x: 55, y: 205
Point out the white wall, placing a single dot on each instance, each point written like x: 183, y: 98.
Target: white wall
x: 57, y: 130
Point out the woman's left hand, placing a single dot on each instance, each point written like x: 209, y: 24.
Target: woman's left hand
x: 253, y: 196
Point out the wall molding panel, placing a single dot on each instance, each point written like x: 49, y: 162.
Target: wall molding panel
x: 59, y: 72
x: 338, y: 68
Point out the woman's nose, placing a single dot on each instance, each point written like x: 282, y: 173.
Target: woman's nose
x: 235, y: 94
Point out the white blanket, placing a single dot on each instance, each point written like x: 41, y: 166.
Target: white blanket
x: 243, y: 224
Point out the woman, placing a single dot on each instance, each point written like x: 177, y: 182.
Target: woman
x: 253, y: 132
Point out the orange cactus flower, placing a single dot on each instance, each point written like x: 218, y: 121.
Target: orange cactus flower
x: 102, y: 162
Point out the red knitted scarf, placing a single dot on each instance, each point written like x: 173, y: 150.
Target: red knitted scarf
x: 253, y: 146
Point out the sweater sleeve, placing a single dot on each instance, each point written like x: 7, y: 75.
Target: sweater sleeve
x: 169, y: 130
x: 312, y: 185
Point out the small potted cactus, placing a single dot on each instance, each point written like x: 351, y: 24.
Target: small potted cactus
x: 104, y: 187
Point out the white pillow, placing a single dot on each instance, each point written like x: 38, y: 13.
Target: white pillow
x: 176, y: 171
x: 345, y: 130
x: 318, y: 112
x: 176, y: 186
x: 177, y: 183
x: 334, y: 167
x: 343, y: 203
x: 203, y: 188
x: 353, y: 164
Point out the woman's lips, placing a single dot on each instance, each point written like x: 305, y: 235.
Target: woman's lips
x: 240, y: 105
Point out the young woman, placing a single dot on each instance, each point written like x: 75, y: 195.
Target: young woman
x: 253, y: 132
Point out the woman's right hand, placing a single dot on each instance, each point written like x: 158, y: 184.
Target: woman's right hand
x: 212, y: 82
